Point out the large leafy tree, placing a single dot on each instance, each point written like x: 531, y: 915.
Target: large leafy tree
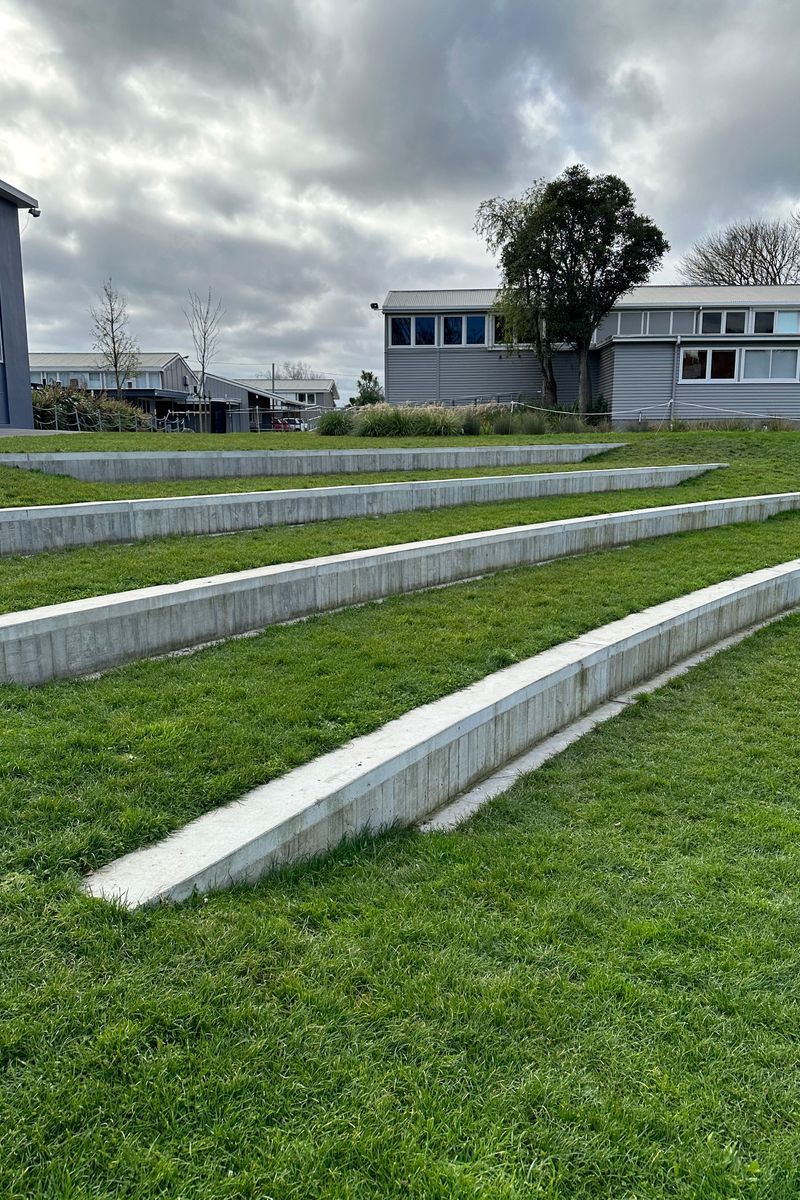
x: 523, y: 293
x: 579, y: 246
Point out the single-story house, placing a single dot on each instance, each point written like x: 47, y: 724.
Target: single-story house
x: 15, y: 389
x: 313, y: 396
x: 250, y: 406
x: 680, y: 352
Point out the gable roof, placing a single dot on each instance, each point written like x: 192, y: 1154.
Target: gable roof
x: 290, y: 385
x: 89, y: 360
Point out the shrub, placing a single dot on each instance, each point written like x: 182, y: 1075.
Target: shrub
x: 471, y: 422
x: 375, y: 420
x: 335, y: 422
x: 57, y: 407
x: 501, y: 423
x: 533, y: 422
x: 435, y: 421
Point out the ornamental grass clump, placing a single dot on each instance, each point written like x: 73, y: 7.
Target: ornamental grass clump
x: 336, y: 422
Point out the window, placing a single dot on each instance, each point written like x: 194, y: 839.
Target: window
x: 630, y: 324
x: 499, y: 330
x: 400, y: 330
x: 453, y: 331
x: 770, y: 364
x: 694, y: 364
x: 476, y: 330
x: 764, y: 322
x: 608, y: 326
x: 711, y: 322
x: 787, y: 322
x: 95, y: 379
x: 734, y: 321
x: 425, y: 331
x: 723, y: 364
x: 682, y: 322
x: 658, y: 322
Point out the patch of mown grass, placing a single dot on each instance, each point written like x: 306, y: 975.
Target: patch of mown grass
x: 590, y: 991
x: 759, y: 463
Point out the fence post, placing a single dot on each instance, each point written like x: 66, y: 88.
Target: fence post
x: 55, y: 414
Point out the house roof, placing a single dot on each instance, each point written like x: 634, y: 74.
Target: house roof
x: 647, y: 296
x: 13, y: 195
x: 418, y: 301
x: 289, y: 385
x: 258, y: 387
x: 87, y: 360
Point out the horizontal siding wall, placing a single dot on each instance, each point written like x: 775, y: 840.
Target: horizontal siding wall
x: 413, y: 376
x: 605, y: 380
x: 747, y: 401
x: 642, y: 381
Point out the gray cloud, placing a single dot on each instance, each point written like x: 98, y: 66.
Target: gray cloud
x: 302, y: 158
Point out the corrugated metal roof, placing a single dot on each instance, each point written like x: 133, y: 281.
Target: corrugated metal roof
x: 654, y: 295
x: 458, y: 298
x: 289, y: 385
x: 647, y: 296
x: 90, y: 361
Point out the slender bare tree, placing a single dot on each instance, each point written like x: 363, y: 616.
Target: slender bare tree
x: 204, y: 316
x: 112, y: 339
x: 746, y: 252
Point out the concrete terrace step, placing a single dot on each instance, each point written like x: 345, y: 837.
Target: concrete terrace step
x: 415, y: 764
x: 85, y: 636
x: 37, y: 528
x: 141, y: 465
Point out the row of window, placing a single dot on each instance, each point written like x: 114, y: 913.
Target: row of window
x: 469, y: 330
x: 710, y: 322
x: 750, y: 365
x: 95, y: 380
x: 474, y: 329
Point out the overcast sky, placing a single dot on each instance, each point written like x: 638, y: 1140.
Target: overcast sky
x: 302, y: 157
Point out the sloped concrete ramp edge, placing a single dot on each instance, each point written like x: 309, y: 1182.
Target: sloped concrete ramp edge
x: 415, y: 764
x: 140, y: 466
x: 81, y: 637
x: 38, y: 528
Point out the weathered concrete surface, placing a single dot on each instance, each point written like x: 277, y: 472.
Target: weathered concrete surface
x: 137, y: 466
x: 415, y: 764
x: 84, y: 636
x: 38, y: 528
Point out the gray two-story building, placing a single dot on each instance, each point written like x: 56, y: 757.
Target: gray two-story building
x: 663, y: 352
x: 15, y: 390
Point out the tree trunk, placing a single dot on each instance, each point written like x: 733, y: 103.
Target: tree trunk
x: 584, y: 383
x: 549, y: 382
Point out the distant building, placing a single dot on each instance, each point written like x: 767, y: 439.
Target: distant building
x: 15, y: 390
x: 681, y: 352
x: 249, y: 405
x: 313, y: 396
x: 163, y: 383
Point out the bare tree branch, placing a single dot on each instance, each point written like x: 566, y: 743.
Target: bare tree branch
x: 746, y: 252
x: 111, y: 337
x: 204, y: 318
x: 298, y: 370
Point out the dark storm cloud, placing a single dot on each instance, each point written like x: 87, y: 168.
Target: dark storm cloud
x: 302, y: 158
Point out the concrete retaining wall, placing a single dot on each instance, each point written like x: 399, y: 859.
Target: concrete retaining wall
x: 58, y: 526
x: 140, y: 466
x: 417, y: 763
x: 83, y: 636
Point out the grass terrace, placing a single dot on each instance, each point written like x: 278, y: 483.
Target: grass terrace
x: 759, y: 463
x: 589, y: 991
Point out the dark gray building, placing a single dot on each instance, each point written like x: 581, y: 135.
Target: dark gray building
x: 15, y: 388
x: 685, y: 353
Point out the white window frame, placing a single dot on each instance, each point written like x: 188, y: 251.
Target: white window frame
x: 451, y: 316
x: 400, y: 345
x: 709, y: 351
x: 768, y: 379
x: 757, y: 312
x: 779, y: 312
x: 427, y: 317
x: 642, y: 312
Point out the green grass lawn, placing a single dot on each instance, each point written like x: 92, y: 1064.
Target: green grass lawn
x: 590, y: 991
x: 759, y: 463
x: 147, y: 442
